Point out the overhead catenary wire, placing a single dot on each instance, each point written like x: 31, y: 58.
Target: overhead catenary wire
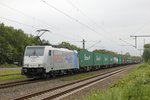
x: 30, y: 26
x: 33, y: 18
x: 74, y: 19
x: 79, y: 10
x: 95, y: 30
x: 90, y: 19
x: 86, y: 26
x: 127, y: 43
x: 93, y: 45
x: 138, y: 29
x: 26, y: 15
x: 18, y: 11
x: 144, y: 25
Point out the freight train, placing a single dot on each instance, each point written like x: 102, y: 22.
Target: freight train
x: 47, y: 61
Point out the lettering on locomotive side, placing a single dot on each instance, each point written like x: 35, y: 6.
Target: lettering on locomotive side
x: 86, y: 57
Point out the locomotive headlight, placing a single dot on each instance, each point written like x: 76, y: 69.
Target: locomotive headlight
x: 41, y: 65
x: 26, y: 65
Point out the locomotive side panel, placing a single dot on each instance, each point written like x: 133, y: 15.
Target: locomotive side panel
x: 64, y: 60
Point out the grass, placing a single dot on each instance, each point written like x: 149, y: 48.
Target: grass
x: 8, y: 75
x: 77, y: 77
x: 8, y: 66
x: 12, y: 77
x: 9, y: 72
x: 135, y: 86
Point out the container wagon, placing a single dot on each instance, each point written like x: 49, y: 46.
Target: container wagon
x: 86, y: 61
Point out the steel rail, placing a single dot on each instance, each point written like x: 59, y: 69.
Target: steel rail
x: 69, y: 84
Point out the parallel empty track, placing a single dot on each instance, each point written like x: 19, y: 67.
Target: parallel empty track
x: 67, y: 88
x: 8, y: 75
x: 16, y: 83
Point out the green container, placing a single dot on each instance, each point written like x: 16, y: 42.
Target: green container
x: 106, y: 59
x: 85, y: 58
x: 129, y: 60
x: 111, y: 59
x: 98, y: 59
x: 120, y: 59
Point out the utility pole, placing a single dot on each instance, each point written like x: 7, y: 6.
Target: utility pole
x: 135, y: 36
x: 135, y: 41
x: 83, y: 41
x: 140, y: 51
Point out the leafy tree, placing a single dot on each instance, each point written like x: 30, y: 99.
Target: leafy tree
x: 12, y: 44
x: 68, y: 46
x: 147, y: 46
x: 146, y: 53
x: 103, y: 51
x: 45, y: 42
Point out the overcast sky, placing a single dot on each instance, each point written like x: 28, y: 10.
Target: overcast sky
x: 93, y: 20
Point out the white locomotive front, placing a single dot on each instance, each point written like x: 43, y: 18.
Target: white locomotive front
x: 44, y: 61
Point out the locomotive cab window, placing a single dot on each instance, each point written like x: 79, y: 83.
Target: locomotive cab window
x: 49, y: 52
x: 34, y: 51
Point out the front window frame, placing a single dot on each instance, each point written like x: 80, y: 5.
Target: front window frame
x: 34, y: 51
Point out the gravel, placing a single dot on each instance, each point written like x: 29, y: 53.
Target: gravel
x: 99, y: 86
x: 13, y: 92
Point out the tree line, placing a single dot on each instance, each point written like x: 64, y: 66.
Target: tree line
x: 146, y: 53
x: 13, y: 43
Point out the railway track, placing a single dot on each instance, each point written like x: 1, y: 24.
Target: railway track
x: 23, y: 82
x: 56, y: 92
x: 16, y: 83
x: 8, y: 75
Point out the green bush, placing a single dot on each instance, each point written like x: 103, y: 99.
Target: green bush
x: 135, y: 86
x: 148, y: 61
